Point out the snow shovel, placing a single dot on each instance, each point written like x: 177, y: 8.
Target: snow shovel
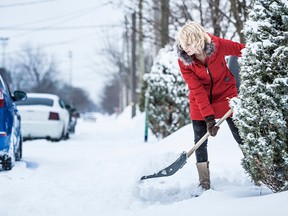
x: 181, y: 161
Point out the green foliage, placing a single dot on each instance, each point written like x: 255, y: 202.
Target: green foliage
x: 168, y: 103
x: 262, y: 114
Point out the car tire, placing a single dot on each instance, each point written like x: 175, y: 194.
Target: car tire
x: 66, y: 137
x: 7, y: 163
x: 18, y: 153
x: 61, y: 137
x: 65, y: 134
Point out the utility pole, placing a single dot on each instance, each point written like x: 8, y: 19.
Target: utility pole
x: 141, y: 50
x: 70, y: 56
x: 157, y: 18
x: 146, y: 115
x: 4, y: 42
x: 128, y: 95
x: 165, y: 11
x: 133, y: 65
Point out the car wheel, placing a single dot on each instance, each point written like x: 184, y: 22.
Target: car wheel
x: 7, y: 163
x: 62, y: 137
x: 21, y: 148
x: 65, y: 135
x: 18, y: 153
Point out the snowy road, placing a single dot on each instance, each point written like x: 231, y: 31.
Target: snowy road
x: 96, y: 172
x: 74, y: 177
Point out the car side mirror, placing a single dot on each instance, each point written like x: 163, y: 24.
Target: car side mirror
x: 19, y: 95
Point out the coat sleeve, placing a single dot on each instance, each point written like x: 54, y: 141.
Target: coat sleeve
x: 197, y: 90
x: 229, y: 47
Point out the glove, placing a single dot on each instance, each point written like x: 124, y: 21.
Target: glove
x: 211, y: 128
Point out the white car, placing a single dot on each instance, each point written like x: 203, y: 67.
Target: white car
x: 44, y: 116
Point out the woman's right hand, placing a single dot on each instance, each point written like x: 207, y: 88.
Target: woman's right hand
x: 211, y: 128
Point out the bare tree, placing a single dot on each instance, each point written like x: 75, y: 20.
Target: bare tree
x: 239, y: 13
x: 110, y: 98
x: 119, y: 71
x: 81, y: 99
x: 216, y: 16
x: 222, y: 18
x: 165, y: 13
x: 35, y: 70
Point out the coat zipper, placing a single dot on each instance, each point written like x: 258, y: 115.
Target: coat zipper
x: 211, y: 79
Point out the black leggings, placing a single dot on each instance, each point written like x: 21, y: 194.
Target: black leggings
x: 200, y: 129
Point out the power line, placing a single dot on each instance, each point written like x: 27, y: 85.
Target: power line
x: 58, y: 28
x: 72, y: 15
x: 25, y: 3
x: 78, y: 12
x: 60, y: 43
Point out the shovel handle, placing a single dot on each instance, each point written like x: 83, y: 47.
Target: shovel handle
x: 197, y: 145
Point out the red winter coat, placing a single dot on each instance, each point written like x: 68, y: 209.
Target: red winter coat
x: 210, y: 86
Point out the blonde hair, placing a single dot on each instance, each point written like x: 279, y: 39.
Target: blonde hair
x: 193, y: 33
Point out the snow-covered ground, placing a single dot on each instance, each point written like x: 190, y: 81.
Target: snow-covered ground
x: 97, y: 172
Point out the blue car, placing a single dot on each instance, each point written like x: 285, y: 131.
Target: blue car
x: 10, y: 126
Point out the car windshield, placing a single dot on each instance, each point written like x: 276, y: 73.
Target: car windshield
x: 35, y: 101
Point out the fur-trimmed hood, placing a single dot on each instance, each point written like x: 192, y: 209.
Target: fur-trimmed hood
x: 188, y: 60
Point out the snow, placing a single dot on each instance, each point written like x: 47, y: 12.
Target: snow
x: 97, y: 172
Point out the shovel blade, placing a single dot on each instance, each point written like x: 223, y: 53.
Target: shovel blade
x: 170, y: 170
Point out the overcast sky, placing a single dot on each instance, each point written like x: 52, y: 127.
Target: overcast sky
x: 62, y: 26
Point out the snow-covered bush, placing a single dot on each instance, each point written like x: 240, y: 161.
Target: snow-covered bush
x: 168, y: 107
x: 263, y: 112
